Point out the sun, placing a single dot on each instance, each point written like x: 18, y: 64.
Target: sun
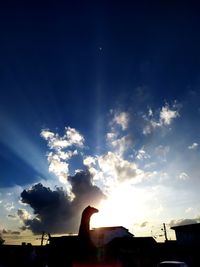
x: 123, y: 207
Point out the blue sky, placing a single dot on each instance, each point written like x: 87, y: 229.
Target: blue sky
x: 99, y: 102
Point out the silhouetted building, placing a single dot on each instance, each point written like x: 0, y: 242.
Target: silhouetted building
x: 103, y: 235
x: 187, y: 234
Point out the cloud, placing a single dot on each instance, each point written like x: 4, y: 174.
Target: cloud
x: 183, y: 176
x: 71, y: 138
x: 54, y: 211
x: 46, y: 134
x: 193, y: 146
x: 182, y: 222
x: 121, y: 119
x: 88, y: 161
x: 120, y: 145
x: 115, y: 138
x: 165, y: 117
x: 10, y: 232
x: 62, y: 149
x: 23, y: 214
x: 142, y: 154
x: 115, y: 166
x: 144, y: 224
x: 85, y: 192
x: 111, y: 136
x: 59, y: 167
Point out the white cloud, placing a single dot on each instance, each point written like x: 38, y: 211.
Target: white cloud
x: 122, y: 119
x: 23, y: 214
x: 60, y: 153
x: 193, y: 146
x: 117, y: 167
x: 71, y: 138
x: 183, y: 176
x: 167, y: 115
x: 88, y: 161
x: 67, y: 155
x: 74, y: 136
x: 58, y: 167
x: 150, y: 112
x: 46, y: 134
x: 121, y: 144
x: 111, y: 136
x: 147, y: 130
x: 142, y: 154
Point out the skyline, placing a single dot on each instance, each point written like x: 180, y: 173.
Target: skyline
x: 99, y: 105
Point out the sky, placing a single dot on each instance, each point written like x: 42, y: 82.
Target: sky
x: 99, y: 105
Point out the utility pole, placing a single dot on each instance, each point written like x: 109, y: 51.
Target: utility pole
x: 42, y: 239
x: 165, y: 232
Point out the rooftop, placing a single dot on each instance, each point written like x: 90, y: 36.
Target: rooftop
x: 187, y: 227
x: 109, y: 228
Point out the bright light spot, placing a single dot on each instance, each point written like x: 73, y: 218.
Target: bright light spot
x: 125, y: 206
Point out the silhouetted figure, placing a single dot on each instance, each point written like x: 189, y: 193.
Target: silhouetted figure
x: 84, y: 229
x: 87, y: 250
x: 71, y: 250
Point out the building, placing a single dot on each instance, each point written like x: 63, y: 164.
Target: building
x: 188, y: 234
x: 103, y: 235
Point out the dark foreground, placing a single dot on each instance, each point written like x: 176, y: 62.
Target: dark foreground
x: 119, y: 253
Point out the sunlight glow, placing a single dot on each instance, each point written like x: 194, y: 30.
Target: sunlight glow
x: 124, y: 206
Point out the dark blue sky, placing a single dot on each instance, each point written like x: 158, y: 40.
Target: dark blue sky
x: 69, y: 63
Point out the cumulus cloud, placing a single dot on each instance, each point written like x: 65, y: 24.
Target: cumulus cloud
x: 62, y: 149
x: 54, y: 211
x: 89, y: 161
x: 193, y: 146
x: 70, y: 138
x: 118, y: 168
x: 58, y: 210
x: 115, y: 167
x: 166, y: 115
x: 122, y: 119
